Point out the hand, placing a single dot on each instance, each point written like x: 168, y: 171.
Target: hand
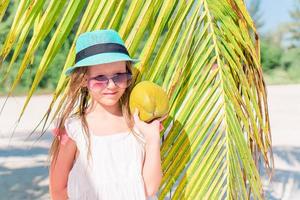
x: 150, y: 130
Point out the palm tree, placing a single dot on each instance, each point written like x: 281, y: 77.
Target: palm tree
x: 204, y: 53
x: 293, y: 26
x: 254, y: 8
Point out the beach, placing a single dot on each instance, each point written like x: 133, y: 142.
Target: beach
x: 24, y: 166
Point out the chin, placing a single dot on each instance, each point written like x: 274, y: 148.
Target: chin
x: 109, y: 102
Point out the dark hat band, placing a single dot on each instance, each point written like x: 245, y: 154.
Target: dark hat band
x: 100, y: 48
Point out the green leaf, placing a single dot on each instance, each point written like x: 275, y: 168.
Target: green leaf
x: 206, y: 56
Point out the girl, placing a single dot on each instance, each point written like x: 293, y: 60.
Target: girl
x: 101, y: 151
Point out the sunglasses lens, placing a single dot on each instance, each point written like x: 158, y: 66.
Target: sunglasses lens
x: 122, y: 80
x: 101, y: 79
x: 94, y: 84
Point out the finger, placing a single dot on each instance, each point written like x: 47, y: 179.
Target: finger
x: 163, y: 118
x: 136, y: 111
x: 135, y: 115
x: 161, y: 127
x: 157, y: 122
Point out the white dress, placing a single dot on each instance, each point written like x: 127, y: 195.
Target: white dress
x: 115, y: 171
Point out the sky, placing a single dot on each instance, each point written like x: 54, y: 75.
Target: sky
x: 275, y: 12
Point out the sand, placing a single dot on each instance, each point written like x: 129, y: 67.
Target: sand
x: 24, y: 168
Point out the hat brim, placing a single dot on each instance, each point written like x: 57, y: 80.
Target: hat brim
x: 100, y: 59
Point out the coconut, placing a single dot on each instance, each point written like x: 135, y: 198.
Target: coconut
x: 150, y: 99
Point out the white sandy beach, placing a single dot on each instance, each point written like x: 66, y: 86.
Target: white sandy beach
x: 23, y: 166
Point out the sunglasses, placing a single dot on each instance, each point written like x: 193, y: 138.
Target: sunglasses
x: 122, y: 80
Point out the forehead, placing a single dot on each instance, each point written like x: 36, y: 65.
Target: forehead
x: 107, y: 68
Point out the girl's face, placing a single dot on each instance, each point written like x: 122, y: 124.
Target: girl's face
x: 110, y: 94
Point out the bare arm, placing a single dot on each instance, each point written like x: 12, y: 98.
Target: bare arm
x: 152, y: 172
x: 58, y: 174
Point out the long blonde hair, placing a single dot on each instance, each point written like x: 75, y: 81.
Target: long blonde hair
x: 77, y: 92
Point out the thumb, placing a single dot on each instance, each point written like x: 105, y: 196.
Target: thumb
x: 159, y: 124
x: 135, y: 114
x: 136, y: 111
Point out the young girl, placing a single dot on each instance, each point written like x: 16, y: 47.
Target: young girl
x: 100, y: 150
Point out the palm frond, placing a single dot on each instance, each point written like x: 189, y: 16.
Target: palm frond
x: 205, y: 54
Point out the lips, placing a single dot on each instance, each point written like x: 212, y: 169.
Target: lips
x: 110, y: 93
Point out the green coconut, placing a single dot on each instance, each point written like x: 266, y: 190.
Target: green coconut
x: 150, y: 99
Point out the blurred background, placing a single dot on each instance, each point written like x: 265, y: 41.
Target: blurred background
x: 23, y: 164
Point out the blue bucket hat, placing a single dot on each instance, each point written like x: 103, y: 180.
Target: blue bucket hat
x: 98, y: 47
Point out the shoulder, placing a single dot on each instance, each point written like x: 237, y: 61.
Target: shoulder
x: 72, y: 126
x: 139, y: 141
x: 72, y: 120
x: 139, y: 136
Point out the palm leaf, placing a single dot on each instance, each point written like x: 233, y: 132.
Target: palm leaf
x: 206, y: 55
x: 3, y: 7
x: 26, y: 12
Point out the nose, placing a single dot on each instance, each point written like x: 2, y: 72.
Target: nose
x: 113, y: 83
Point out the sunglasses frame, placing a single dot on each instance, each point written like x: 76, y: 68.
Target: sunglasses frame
x: 128, y: 73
